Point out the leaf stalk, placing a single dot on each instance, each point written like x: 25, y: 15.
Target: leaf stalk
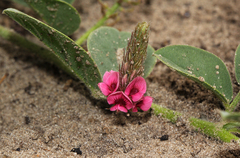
x: 234, y: 103
x: 100, y: 23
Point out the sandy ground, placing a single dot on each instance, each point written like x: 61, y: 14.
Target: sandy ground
x: 42, y: 117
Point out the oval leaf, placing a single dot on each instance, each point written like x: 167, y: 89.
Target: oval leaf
x: 58, y: 14
x: 72, y: 56
x: 106, y: 46
x: 200, y: 66
x: 237, y: 64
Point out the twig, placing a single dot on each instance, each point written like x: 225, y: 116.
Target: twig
x: 6, y: 74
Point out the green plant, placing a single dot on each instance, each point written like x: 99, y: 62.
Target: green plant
x: 57, y: 13
x: 105, y: 51
x: 203, y: 67
x: 233, y: 121
x: 209, y: 71
x: 64, y: 52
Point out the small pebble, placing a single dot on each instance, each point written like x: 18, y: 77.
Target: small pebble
x: 164, y: 137
x: 77, y: 150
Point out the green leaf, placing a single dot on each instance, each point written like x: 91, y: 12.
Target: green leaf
x: 72, y: 56
x: 106, y: 47
x: 22, y: 2
x: 200, y: 66
x: 237, y: 64
x: 149, y: 62
x: 58, y: 14
x: 69, y: 1
x: 232, y: 127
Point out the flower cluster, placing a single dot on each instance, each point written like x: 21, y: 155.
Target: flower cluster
x: 125, y: 89
x: 133, y: 96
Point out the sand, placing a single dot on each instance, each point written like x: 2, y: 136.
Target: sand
x: 41, y: 115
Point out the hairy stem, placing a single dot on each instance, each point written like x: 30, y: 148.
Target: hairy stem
x: 166, y: 113
x: 101, y: 22
x: 208, y: 128
x: 234, y: 103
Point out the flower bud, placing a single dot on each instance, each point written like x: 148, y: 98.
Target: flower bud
x: 135, y: 53
x: 132, y: 75
x: 124, y: 80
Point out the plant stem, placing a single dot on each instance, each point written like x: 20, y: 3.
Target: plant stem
x: 205, y: 127
x: 212, y: 130
x: 101, y: 22
x: 234, y: 103
x: 166, y: 113
x: 31, y: 47
x: 226, y: 105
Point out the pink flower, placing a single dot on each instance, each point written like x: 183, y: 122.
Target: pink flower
x: 133, y: 97
x: 110, y: 82
x: 136, y: 88
x: 122, y: 102
x: 144, y: 104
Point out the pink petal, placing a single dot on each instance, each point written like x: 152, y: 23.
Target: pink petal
x: 137, y: 96
x: 111, y: 99
x: 145, y: 104
x: 118, y: 107
x: 112, y: 71
x: 120, y: 98
x: 110, y: 82
x: 136, y: 88
x: 104, y: 88
x: 129, y: 104
x: 105, y: 76
x: 113, y: 79
x: 123, y: 109
x: 135, y: 109
x: 114, y: 108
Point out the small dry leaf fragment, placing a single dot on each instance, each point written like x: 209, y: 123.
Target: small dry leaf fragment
x: 67, y: 84
x: 87, y: 62
x: 201, y: 79
x: 6, y: 74
x: 78, y: 58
